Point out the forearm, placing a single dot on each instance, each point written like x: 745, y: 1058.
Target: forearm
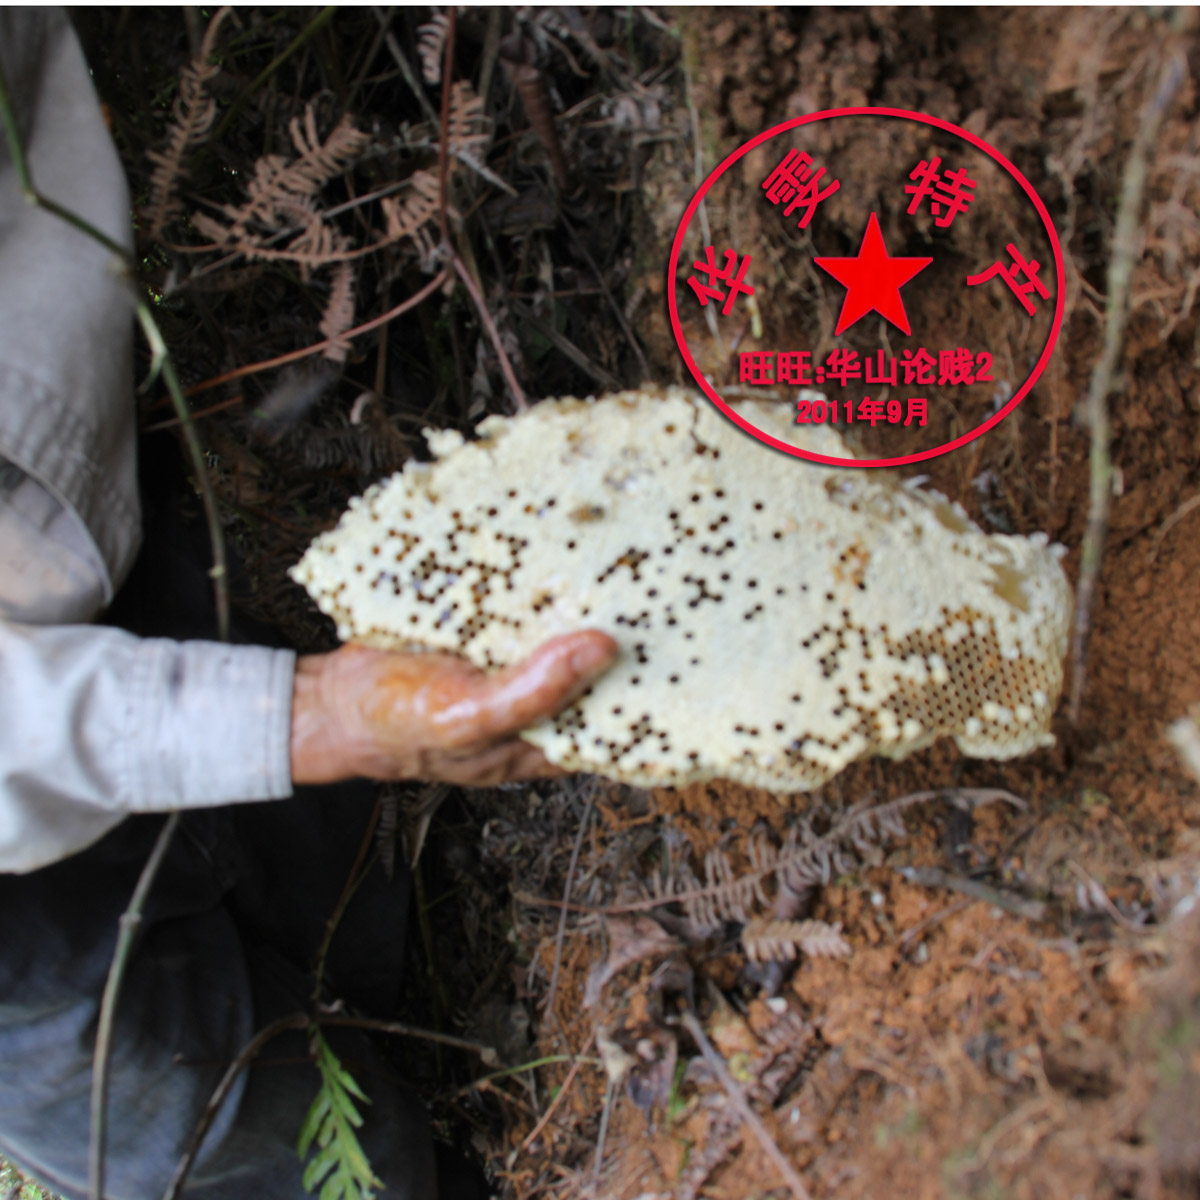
x: 96, y: 724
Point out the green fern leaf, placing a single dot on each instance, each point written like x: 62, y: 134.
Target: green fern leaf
x: 339, y: 1168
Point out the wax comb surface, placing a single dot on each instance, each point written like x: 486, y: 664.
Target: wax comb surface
x: 778, y: 619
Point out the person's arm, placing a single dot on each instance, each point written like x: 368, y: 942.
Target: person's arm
x: 360, y: 712
x: 96, y: 724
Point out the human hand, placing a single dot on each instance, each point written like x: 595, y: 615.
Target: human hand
x: 379, y: 714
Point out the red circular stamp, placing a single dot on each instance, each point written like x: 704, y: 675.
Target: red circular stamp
x: 884, y: 362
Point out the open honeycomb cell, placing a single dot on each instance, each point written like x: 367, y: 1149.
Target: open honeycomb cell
x: 778, y: 619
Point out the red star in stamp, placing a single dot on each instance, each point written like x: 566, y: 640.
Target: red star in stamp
x: 873, y: 280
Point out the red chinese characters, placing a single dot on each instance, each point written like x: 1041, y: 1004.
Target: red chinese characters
x: 947, y: 193
x: 711, y: 290
x: 1009, y: 273
x: 844, y: 367
x: 796, y: 183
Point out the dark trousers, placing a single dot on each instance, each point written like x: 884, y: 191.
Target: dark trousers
x: 231, y: 927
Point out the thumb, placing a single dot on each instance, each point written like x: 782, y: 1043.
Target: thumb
x: 554, y: 675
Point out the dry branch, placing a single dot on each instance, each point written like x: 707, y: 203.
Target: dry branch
x: 1125, y: 250
x: 738, y: 1098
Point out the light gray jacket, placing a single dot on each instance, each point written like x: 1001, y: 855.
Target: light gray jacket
x: 94, y: 723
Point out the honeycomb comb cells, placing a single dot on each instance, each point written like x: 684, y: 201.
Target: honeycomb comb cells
x: 777, y: 619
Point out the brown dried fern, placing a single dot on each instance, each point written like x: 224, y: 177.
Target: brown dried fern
x: 805, y: 860
x: 191, y: 120
x: 765, y: 940
x: 339, y: 312
x: 466, y: 129
x: 406, y: 215
x: 281, y: 197
x: 431, y: 44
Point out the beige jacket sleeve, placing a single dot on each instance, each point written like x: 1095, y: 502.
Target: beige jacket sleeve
x: 94, y: 723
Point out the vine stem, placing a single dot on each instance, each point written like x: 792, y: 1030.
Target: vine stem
x: 161, y: 363
x: 131, y: 920
x: 1126, y: 246
x: 249, y: 1051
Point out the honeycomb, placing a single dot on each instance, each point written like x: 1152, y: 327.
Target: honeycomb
x: 777, y: 619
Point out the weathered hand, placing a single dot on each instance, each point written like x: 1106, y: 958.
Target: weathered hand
x: 383, y: 715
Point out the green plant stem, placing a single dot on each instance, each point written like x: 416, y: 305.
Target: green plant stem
x: 131, y: 920
x: 8, y: 118
x: 353, y: 883
x: 249, y: 1051
x: 313, y: 27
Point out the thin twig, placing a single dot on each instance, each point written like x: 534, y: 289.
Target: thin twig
x: 566, y: 900
x: 922, y: 927
x: 1188, y: 506
x: 604, y: 378
x: 130, y: 922
x: 487, y: 1054
x: 597, y: 1162
x: 1031, y: 910
x: 504, y: 1072
x: 218, y: 572
x: 249, y: 1051
x: 622, y: 320
x: 212, y: 409
x: 1125, y: 250
x: 353, y: 882
x: 544, y: 1120
x: 738, y: 1098
x: 314, y: 26
x: 520, y: 403
x: 405, y: 66
x: 316, y: 348
x: 444, y: 138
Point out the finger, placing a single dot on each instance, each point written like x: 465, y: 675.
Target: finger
x: 508, y: 762
x: 548, y: 680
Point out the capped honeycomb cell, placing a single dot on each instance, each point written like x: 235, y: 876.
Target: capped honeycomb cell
x: 777, y: 619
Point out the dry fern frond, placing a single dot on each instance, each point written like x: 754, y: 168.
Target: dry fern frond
x: 339, y: 312
x: 320, y: 161
x: 765, y: 940
x: 406, y: 216
x: 723, y: 895
x: 431, y: 44
x: 467, y: 130
x: 281, y: 196
x: 191, y: 120
x: 805, y: 860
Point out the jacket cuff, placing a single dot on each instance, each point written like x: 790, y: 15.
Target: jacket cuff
x: 211, y: 724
